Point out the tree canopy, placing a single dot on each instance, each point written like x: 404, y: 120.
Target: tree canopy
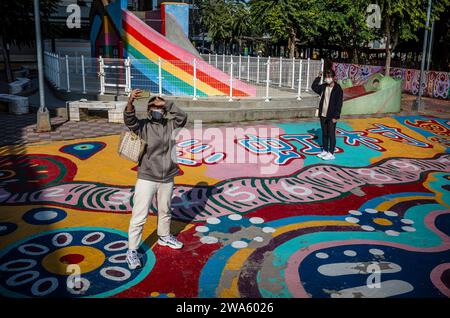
x: 337, y: 23
x: 17, y: 25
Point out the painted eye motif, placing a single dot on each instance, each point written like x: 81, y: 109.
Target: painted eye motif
x: 46, y: 265
x: 32, y: 172
x: 389, y: 222
x: 83, y: 150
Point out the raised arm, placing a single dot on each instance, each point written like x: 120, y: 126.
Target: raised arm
x: 179, y: 116
x: 316, y: 87
x: 129, y: 115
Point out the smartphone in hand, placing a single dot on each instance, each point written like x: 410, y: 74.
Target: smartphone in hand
x: 143, y: 94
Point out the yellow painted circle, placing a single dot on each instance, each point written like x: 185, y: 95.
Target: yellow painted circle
x: 154, y: 294
x: 91, y: 258
x: 170, y: 295
x: 382, y: 221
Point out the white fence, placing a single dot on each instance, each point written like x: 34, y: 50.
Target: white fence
x: 272, y: 77
x: 280, y: 71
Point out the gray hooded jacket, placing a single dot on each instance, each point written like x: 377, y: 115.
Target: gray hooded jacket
x: 156, y: 163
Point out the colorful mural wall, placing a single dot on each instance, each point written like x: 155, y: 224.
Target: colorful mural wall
x: 306, y: 228
x: 437, y: 84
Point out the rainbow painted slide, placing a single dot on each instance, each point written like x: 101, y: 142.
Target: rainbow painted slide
x: 144, y: 46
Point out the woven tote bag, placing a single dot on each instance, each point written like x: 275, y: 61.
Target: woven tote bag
x: 131, y: 146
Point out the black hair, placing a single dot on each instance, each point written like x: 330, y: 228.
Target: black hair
x: 153, y: 98
x: 330, y: 73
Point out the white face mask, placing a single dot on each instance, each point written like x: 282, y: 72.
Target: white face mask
x: 328, y: 80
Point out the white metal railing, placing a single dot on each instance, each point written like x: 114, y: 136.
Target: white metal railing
x: 271, y: 76
x: 283, y: 72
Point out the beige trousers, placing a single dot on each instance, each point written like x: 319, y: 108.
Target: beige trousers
x: 143, y: 195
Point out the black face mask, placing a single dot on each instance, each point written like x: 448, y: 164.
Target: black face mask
x: 155, y: 115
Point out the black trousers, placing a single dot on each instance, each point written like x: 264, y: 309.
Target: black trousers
x: 328, y: 134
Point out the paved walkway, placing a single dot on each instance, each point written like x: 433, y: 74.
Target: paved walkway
x: 20, y: 129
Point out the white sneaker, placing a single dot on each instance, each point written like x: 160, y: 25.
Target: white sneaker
x: 170, y: 241
x: 323, y: 153
x: 329, y: 156
x: 133, y: 259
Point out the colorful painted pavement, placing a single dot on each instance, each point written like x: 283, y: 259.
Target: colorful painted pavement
x: 282, y: 223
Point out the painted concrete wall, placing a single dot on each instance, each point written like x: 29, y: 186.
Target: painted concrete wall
x: 385, y: 97
x: 437, y: 84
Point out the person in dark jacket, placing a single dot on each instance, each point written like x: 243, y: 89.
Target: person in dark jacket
x: 156, y: 170
x: 330, y: 105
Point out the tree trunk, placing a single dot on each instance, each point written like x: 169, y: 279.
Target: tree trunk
x: 291, y: 42
x: 6, y: 61
x: 387, y: 31
x: 355, y: 57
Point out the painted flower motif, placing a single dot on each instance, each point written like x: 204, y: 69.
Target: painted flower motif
x: 235, y: 230
x: 415, y: 83
x: 353, y: 72
x: 45, y: 265
x: 407, y: 81
x: 389, y: 222
x: 442, y: 85
x: 341, y: 70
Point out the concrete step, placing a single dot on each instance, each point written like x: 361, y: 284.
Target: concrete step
x: 220, y: 110
x: 236, y: 114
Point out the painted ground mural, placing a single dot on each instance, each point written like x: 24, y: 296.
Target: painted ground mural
x: 282, y: 223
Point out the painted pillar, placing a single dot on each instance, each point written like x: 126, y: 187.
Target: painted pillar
x: 106, y: 37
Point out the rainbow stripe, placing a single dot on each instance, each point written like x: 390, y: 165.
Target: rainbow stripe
x: 145, y: 46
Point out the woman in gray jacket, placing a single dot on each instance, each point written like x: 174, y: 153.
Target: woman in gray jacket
x: 156, y: 170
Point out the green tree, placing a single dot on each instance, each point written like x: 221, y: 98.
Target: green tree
x: 344, y: 24
x: 402, y: 18
x: 241, y: 21
x: 17, y: 26
x: 216, y: 18
x: 225, y: 20
x: 290, y: 20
